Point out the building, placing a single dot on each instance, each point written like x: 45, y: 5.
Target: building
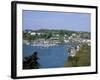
x: 33, y: 33
x: 72, y: 52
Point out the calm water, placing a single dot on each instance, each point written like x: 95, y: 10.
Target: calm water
x: 51, y: 57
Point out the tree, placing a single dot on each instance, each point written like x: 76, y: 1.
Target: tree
x: 61, y: 33
x: 48, y: 35
x: 31, y: 62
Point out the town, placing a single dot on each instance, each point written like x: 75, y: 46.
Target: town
x: 48, y: 38
x: 78, y: 43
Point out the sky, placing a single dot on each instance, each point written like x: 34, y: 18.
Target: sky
x: 36, y: 20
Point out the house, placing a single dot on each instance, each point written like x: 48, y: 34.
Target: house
x: 54, y: 40
x: 33, y: 33
x: 72, y: 52
x: 38, y: 33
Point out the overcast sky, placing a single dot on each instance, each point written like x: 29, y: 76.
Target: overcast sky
x: 56, y: 20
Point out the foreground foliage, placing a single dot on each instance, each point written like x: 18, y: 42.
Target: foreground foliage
x: 31, y: 62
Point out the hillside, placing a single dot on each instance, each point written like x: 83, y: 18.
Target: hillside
x: 82, y: 57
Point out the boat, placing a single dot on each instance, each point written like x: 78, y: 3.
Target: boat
x: 43, y: 44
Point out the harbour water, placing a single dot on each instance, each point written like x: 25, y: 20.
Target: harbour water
x: 49, y: 57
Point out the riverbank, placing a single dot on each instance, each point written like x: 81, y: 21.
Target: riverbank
x: 82, y: 57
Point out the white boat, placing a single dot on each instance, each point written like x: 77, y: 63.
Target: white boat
x: 43, y: 45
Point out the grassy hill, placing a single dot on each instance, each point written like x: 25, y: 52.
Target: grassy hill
x: 82, y: 57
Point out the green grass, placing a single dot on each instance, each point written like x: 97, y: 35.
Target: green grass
x: 82, y: 57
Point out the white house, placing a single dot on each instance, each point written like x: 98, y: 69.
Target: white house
x: 33, y: 33
x: 38, y: 33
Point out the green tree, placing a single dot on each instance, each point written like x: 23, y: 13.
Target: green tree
x: 61, y: 33
x: 31, y: 62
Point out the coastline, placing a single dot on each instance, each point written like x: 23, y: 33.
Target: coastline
x: 82, y: 57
